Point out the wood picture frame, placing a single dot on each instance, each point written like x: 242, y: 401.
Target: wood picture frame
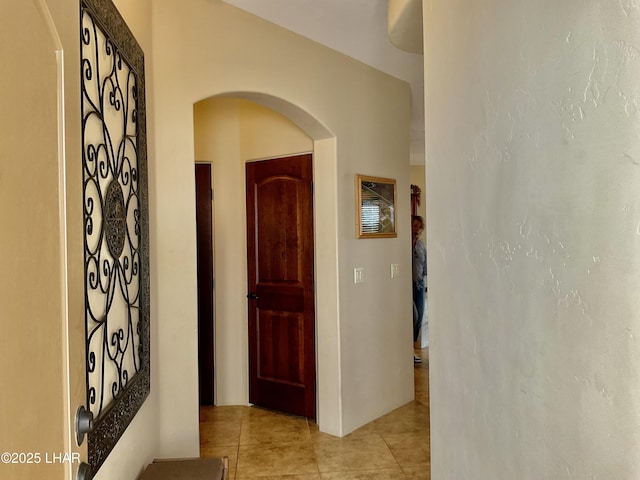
x: 376, y: 200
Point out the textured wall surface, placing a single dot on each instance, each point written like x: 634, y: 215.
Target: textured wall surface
x: 533, y: 205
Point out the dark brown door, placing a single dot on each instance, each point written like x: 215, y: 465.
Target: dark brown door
x: 204, y: 235
x: 282, y: 370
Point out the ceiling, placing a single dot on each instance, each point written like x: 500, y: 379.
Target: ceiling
x: 357, y: 28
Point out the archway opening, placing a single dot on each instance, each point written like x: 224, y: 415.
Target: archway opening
x: 229, y: 130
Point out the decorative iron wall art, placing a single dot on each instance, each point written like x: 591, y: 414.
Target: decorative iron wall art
x: 116, y: 230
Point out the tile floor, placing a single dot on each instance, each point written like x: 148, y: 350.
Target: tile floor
x: 265, y: 445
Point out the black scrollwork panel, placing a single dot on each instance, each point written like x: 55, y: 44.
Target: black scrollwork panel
x: 116, y: 230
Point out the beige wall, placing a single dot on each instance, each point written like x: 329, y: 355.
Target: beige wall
x: 533, y: 211
x: 209, y: 48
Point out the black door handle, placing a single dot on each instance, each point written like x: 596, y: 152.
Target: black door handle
x: 252, y: 296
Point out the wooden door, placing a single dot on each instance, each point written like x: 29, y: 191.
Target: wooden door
x: 42, y: 362
x: 204, y: 233
x: 282, y: 371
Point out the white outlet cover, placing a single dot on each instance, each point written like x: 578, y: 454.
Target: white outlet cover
x: 395, y: 270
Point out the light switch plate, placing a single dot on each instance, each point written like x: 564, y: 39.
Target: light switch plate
x: 358, y: 275
x: 395, y: 270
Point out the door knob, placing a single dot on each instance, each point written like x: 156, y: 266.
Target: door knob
x: 84, y: 472
x: 84, y: 423
x: 252, y: 296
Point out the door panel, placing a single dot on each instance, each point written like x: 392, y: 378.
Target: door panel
x: 280, y: 282
x: 34, y: 366
x: 204, y: 232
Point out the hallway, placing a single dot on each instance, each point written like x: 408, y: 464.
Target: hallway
x: 265, y: 445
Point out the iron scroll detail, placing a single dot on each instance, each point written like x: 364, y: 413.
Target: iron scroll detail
x: 116, y: 228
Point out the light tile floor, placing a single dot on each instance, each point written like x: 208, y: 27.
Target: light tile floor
x: 264, y: 445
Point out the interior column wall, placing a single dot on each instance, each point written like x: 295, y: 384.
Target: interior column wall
x: 533, y: 210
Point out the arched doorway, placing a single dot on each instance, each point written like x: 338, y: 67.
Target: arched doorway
x: 229, y: 130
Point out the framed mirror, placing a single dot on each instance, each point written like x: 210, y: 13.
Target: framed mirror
x: 375, y: 207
